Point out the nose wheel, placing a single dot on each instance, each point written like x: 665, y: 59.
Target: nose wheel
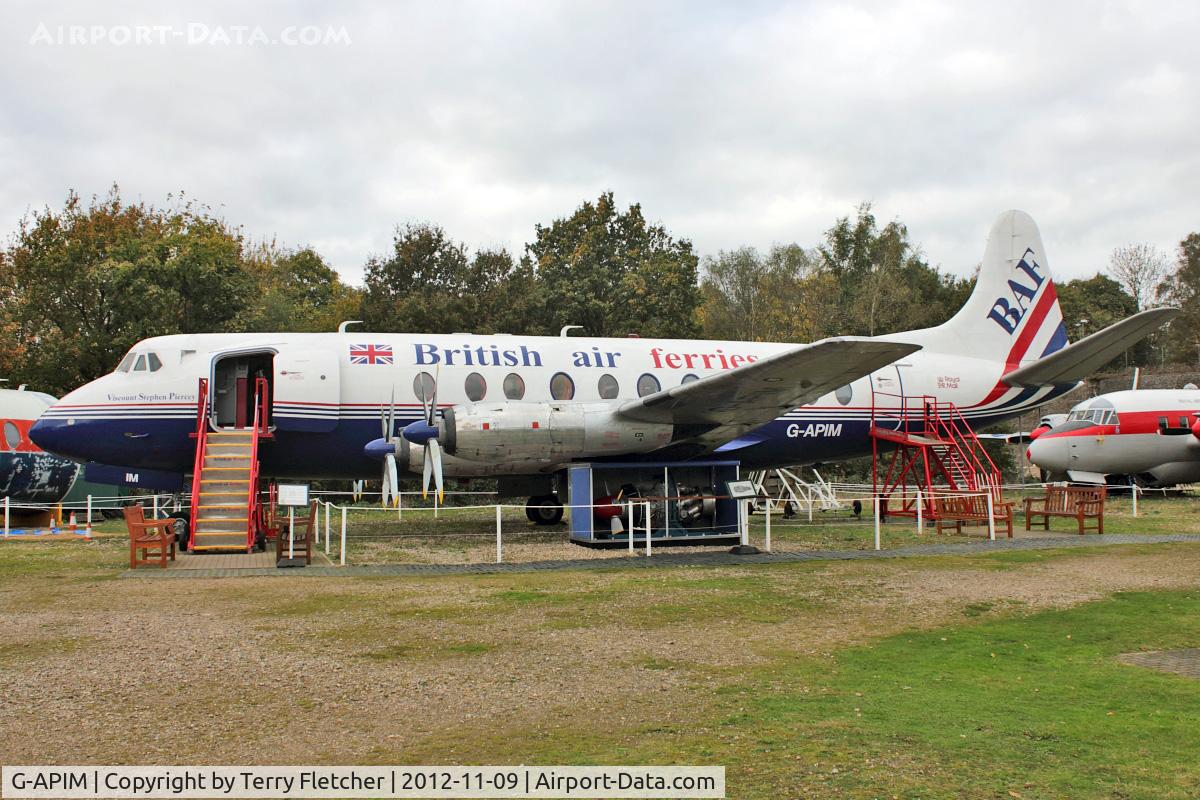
x: 544, y: 510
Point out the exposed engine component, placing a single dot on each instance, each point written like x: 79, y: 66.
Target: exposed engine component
x: 533, y: 431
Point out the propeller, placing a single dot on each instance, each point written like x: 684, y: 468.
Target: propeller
x: 391, y: 480
x: 425, y: 433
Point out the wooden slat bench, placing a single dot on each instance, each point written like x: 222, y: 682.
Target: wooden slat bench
x: 1079, y: 503
x: 149, y: 536
x: 952, y: 510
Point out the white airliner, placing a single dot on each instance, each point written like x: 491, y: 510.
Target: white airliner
x: 1151, y: 435
x: 524, y: 407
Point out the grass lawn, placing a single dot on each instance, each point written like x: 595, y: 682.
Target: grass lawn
x: 1022, y: 705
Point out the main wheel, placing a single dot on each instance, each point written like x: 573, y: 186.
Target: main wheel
x: 544, y: 510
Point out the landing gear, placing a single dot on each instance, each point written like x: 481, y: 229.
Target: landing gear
x: 546, y: 509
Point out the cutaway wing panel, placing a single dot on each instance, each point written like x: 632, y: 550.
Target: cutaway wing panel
x: 744, y: 398
x: 1079, y: 360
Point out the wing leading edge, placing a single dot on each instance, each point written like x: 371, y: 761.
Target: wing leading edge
x: 722, y: 406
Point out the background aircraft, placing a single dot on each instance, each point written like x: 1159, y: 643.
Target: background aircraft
x: 29, y: 475
x: 1151, y: 435
x: 522, y: 408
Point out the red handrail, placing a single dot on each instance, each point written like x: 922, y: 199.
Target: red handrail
x: 261, y: 388
x: 201, y: 437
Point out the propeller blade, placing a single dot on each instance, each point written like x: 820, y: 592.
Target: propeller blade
x: 393, y: 480
x: 437, y: 374
x: 435, y: 451
x: 391, y: 418
x: 426, y: 473
x: 385, y: 490
x: 383, y: 427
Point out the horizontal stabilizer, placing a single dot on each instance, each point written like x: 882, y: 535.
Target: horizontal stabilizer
x: 1079, y: 360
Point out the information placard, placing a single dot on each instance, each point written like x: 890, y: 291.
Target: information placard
x: 292, y: 494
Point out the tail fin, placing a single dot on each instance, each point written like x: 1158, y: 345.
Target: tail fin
x: 1013, y: 314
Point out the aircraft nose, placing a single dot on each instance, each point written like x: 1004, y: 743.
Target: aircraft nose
x: 55, y: 436
x: 1050, y: 453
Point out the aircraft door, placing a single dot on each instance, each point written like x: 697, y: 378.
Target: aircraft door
x: 307, y: 390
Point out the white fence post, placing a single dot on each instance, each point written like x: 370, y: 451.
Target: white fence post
x: 499, y: 539
x: 647, y: 507
x: 1135, y: 508
x: 629, y: 528
x: 6, y: 516
x: 435, y: 505
x: 343, y: 554
x: 745, y: 521
x: 291, y: 532
x: 991, y: 518
x: 767, y: 543
x: 875, y: 502
x: 328, y: 510
x: 88, y: 526
x: 153, y: 508
x: 920, y: 514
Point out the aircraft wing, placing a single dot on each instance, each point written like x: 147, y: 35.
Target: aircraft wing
x: 728, y: 404
x: 1079, y: 360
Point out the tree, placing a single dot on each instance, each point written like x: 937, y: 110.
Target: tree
x: 86, y: 282
x: 1139, y: 268
x: 749, y: 296
x: 295, y: 291
x: 430, y: 283
x: 1182, y: 289
x: 883, y: 283
x: 614, y: 274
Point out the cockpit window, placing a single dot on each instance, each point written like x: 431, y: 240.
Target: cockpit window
x: 1096, y: 416
x: 153, y: 361
x: 126, y: 362
x: 140, y: 364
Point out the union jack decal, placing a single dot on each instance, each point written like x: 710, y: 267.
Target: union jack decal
x: 370, y: 354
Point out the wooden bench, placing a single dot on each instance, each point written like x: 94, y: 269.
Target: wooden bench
x: 149, y: 536
x: 1079, y: 503
x: 302, y: 539
x: 952, y: 510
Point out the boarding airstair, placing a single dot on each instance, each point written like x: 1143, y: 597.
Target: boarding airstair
x: 923, y: 446
x: 225, y: 479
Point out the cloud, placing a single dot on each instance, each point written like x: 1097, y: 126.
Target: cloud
x: 732, y: 124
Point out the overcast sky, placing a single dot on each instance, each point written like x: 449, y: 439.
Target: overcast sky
x: 732, y: 124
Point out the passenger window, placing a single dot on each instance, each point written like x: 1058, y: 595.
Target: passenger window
x: 1162, y: 423
x: 514, y: 386
x: 476, y: 387
x: 140, y: 364
x: 1183, y: 422
x: 153, y: 361
x: 424, y: 386
x: 608, y: 387
x: 647, y: 384
x: 12, y: 435
x: 562, y: 387
x: 689, y: 378
x: 845, y: 394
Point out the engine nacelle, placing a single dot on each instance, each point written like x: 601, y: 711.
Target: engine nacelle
x: 531, y: 431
